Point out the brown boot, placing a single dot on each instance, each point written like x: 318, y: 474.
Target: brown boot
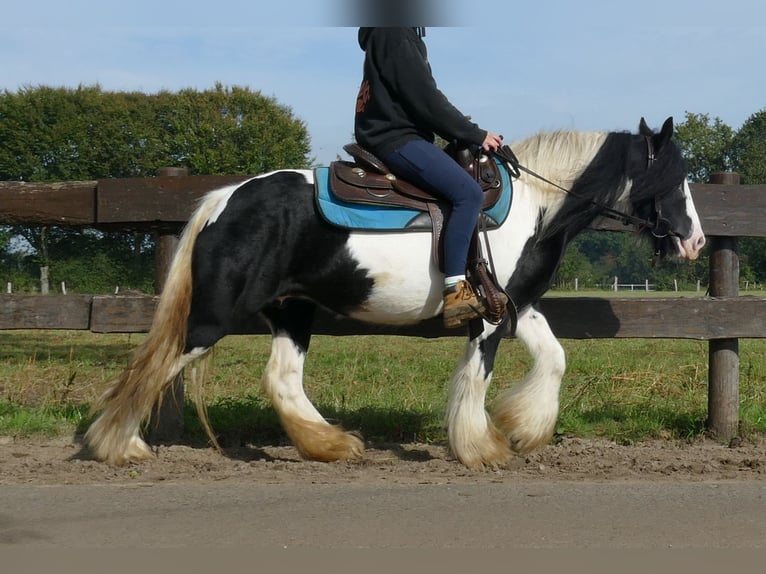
x: 461, y: 305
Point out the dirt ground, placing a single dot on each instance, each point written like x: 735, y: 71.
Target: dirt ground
x: 62, y: 461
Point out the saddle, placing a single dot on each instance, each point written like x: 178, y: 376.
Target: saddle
x: 368, y: 181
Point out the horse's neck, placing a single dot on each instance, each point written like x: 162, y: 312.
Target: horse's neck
x: 559, y: 156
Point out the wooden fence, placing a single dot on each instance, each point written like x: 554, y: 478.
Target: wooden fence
x: 162, y: 205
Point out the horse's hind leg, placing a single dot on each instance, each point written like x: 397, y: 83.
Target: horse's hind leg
x: 473, y: 438
x: 527, y: 412
x: 311, y: 434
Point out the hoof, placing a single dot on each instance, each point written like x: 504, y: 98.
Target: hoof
x: 324, y: 442
x: 493, y: 451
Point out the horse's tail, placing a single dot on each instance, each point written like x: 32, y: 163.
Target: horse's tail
x: 126, y: 405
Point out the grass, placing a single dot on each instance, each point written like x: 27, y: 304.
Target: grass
x: 626, y: 293
x: 392, y: 389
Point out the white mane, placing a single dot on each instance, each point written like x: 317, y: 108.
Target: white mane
x: 561, y: 157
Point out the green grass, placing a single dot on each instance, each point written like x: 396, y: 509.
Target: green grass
x: 392, y: 389
x: 626, y: 293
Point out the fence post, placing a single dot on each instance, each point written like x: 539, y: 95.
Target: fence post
x: 723, y: 366
x: 167, y: 425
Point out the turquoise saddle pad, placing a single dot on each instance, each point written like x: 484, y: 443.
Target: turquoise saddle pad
x: 382, y: 218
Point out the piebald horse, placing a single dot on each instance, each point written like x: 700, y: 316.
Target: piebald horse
x: 259, y: 251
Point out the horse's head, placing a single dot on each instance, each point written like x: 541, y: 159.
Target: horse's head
x: 660, y: 193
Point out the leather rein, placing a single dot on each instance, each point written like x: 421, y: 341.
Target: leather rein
x: 659, y: 228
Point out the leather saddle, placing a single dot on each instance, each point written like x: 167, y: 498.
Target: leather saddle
x: 368, y: 181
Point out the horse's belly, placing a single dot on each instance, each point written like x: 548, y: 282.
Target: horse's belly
x: 392, y: 309
x: 407, y: 286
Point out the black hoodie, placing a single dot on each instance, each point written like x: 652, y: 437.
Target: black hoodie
x: 398, y: 100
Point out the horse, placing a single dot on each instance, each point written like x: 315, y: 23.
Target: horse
x: 258, y: 251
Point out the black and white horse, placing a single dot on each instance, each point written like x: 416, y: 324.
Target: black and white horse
x: 260, y: 249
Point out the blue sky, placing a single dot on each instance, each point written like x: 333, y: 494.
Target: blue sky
x: 515, y: 67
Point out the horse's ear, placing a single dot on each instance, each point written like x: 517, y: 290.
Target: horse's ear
x: 665, y: 133
x: 644, y: 129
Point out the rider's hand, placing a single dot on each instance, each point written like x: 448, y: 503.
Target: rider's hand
x: 492, y: 142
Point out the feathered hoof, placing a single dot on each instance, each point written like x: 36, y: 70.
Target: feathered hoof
x: 524, y: 436
x: 324, y: 442
x: 526, y: 426
x: 135, y: 450
x: 492, y: 452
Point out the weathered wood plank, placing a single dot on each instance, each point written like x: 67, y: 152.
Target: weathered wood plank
x: 702, y: 318
x: 45, y: 311
x: 69, y: 203
x: 725, y: 210
x: 169, y: 199
x: 122, y: 314
x: 682, y: 317
x: 731, y: 210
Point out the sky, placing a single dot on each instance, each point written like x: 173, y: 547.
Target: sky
x: 515, y: 67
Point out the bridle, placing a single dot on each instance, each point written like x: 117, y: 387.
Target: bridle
x: 656, y: 228
x: 659, y: 228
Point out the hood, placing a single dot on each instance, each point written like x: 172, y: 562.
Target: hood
x: 364, y: 35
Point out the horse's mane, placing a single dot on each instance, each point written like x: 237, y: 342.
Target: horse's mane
x: 560, y: 156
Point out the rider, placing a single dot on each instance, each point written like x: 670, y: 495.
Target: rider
x: 399, y: 110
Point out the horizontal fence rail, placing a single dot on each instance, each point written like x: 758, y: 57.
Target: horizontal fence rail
x: 164, y: 203
x: 167, y: 201
x: 701, y: 318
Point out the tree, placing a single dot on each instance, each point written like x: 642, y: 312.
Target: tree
x: 749, y: 149
x: 575, y: 265
x: 62, y: 134
x: 706, y: 146
x: 230, y: 131
x: 749, y: 154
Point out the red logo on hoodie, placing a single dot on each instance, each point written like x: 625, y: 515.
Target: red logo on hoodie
x: 363, y: 97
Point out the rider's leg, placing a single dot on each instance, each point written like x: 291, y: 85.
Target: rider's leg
x: 424, y: 164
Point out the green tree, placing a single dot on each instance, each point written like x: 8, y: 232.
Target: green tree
x: 749, y: 149
x: 62, y: 134
x: 749, y: 154
x: 230, y: 131
x: 706, y: 145
x: 575, y: 265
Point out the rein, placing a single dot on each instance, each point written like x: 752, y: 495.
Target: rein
x: 659, y: 229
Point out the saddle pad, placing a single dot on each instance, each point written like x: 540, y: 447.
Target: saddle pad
x: 360, y: 217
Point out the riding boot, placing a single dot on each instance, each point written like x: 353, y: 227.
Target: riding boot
x: 461, y: 305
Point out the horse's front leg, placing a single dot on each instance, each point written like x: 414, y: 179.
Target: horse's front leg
x: 527, y: 412
x: 311, y: 434
x: 473, y: 438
